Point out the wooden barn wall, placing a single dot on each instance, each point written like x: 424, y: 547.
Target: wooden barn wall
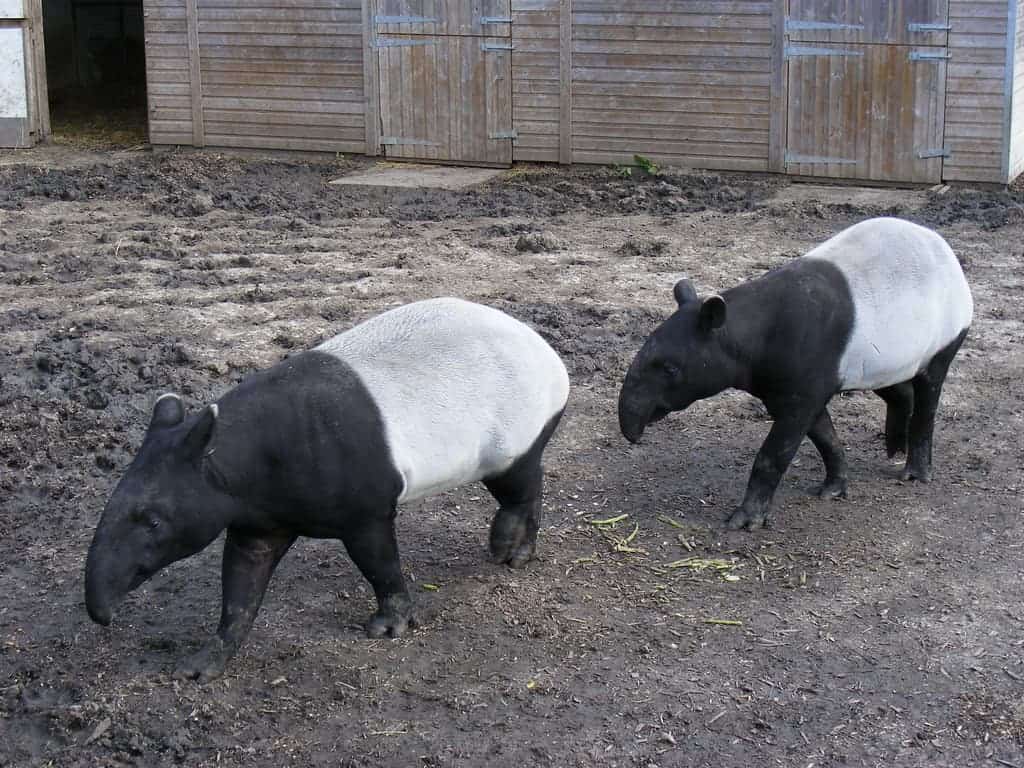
x: 679, y: 82
x: 273, y: 76
x: 167, y: 72
x: 535, y: 79
x: 975, y: 90
x: 284, y: 77
x: 1016, y: 160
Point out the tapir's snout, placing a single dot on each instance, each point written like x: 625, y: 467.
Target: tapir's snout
x: 100, y: 613
x: 108, y: 578
x: 633, y: 417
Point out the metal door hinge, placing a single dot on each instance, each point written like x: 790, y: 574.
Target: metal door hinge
x: 928, y: 55
x: 496, y: 20
x: 791, y: 158
x: 796, y: 25
x: 496, y: 46
x: 920, y: 26
x: 793, y: 51
x: 513, y: 134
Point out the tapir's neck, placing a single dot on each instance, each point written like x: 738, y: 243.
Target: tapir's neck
x: 746, y: 335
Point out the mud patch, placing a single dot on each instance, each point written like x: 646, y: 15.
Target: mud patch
x: 877, y: 630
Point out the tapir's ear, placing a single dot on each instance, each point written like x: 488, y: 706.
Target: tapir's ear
x: 198, y: 438
x: 684, y: 292
x: 712, y: 313
x: 168, y: 411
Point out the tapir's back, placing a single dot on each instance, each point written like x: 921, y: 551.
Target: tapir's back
x: 464, y: 390
x: 910, y: 299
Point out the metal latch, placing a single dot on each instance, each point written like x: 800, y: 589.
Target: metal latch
x: 399, y: 141
x: 920, y: 26
x: 513, y: 134
x: 791, y: 158
x: 924, y: 154
x: 928, y: 55
x: 496, y: 46
x: 793, y: 25
x: 496, y: 20
x: 792, y: 51
x: 406, y: 20
x: 388, y: 42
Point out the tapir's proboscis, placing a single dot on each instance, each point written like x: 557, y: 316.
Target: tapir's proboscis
x: 883, y: 305
x: 327, y: 443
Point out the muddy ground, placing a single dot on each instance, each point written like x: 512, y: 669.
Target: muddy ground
x: 887, y: 629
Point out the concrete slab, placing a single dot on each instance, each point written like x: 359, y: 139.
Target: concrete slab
x: 877, y: 197
x: 413, y: 176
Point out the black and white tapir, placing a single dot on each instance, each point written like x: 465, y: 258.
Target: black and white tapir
x: 326, y: 444
x: 882, y: 305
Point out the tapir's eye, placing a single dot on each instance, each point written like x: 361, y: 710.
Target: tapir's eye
x: 154, y: 522
x: 669, y: 369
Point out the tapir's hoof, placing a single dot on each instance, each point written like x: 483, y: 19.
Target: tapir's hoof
x: 510, y: 543
x: 206, y: 664
x: 744, y: 518
x: 895, y: 445
x: 832, y: 489
x: 389, y: 624
x: 921, y: 474
x: 892, y: 451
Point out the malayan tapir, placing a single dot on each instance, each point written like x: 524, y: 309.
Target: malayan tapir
x: 326, y: 444
x: 883, y: 305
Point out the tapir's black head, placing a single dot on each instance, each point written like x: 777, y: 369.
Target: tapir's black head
x: 161, y: 511
x: 680, y: 363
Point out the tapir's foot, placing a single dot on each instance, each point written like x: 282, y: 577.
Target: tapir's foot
x: 749, y: 518
x: 832, y: 488
x: 511, y: 541
x: 895, y: 444
x: 892, y: 450
x: 917, y: 471
x: 206, y: 664
x: 392, y: 619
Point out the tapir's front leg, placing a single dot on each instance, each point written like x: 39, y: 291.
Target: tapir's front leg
x: 771, y: 462
x: 249, y: 561
x: 374, y: 549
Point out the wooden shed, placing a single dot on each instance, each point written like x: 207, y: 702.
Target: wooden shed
x: 882, y: 90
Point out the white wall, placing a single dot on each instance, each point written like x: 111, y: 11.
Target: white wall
x: 1016, y: 72
x: 11, y: 9
x: 13, y: 96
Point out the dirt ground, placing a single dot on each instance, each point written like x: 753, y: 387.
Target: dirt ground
x: 887, y: 629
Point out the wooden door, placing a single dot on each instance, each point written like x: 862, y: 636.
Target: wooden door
x: 866, y: 89
x: 445, y: 73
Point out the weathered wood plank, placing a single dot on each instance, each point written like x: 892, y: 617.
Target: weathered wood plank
x: 565, y: 106
x: 371, y: 81
x: 195, y: 73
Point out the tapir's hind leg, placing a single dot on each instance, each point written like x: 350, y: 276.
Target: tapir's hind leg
x: 373, y: 548
x: 518, y: 490
x: 927, y: 390
x: 249, y: 561
x: 899, y: 405
x: 823, y: 435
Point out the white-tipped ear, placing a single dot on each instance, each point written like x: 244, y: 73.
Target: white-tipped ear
x: 712, y: 313
x: 168, y: 411
x: 201, y: 433
x: 215, y: 409
x: 684, y: 292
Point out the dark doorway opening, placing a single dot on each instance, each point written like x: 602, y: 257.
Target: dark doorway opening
x: 95, y: 71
